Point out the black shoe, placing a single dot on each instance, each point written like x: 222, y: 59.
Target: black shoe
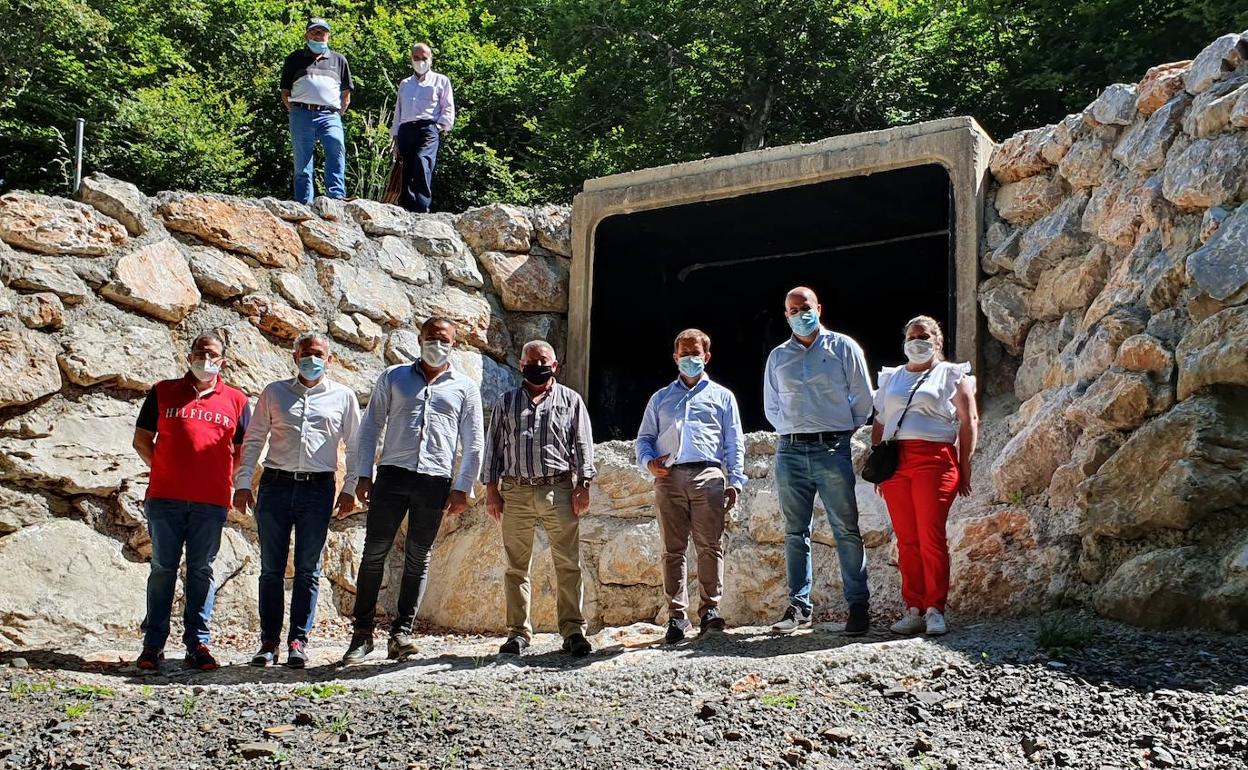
x: 296, y: 654
x: 266, y: 656
x: 578, y: 645
x: 361, y: 645
x: 401, y: 646
x: 859, y: 619
x: 200, y: 658
x: 150, y: 659
x: 676, y: 630
x: 515, y: 645
x: 711, y: 621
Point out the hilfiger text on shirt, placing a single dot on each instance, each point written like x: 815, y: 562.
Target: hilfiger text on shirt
x: 186, y: 413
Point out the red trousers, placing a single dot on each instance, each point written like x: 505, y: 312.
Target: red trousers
x: 919, y: 495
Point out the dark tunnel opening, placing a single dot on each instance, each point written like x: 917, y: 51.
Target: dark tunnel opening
x: 876, y: 249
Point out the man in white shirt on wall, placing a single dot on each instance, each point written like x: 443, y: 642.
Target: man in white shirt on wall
x: 426, y: 410
x: 424, y: 110
x: 304, y: 420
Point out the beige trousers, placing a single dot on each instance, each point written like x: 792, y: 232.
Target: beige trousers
x: 691, y: 501
x: 523, y: 508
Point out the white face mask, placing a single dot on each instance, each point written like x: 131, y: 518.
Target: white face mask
x: 205, y: 370
x: 435, y: 352
x: 421, y: 66
x: 919, y: 351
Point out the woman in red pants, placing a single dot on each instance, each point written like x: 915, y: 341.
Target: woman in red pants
x: 936, y: 436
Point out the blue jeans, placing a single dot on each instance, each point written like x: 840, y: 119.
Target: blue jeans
x: 283, y: 504
x: 306, y: 129
x: 802, y: 469
x: 172, y: 525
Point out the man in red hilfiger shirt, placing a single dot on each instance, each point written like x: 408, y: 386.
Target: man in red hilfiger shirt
x: 190, y: 431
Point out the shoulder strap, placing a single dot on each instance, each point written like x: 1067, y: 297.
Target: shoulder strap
x: 913, y: 390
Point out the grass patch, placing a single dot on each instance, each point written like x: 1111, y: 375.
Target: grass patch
x: 189, y: 702
x: 76, y: 709
x: 90, y: 691
x: 21, y: 690
x: 339, y: 724
x: 785, y: 700
x: 1061, y: 633
x: 1017, y: 498
x: 320, y: 691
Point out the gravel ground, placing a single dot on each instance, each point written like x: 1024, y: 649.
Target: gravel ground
x: 985, y: 696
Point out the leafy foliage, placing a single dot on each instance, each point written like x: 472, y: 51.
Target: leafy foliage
x: 550, y: 92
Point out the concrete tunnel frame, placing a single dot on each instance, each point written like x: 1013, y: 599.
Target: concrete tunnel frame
x: 958, y: 145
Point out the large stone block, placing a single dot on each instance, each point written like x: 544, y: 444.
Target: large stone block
x: 1176, y: 470
x: 1143, y: 147
x: 1071, y: 285
x: 1115, y: 105
x: 155, y: 280
x: 1087, y: 162
x: 221, y: 275
x: 379, y: 218
x: 1026, y: 464
x: 633, y: 556
x: 552, y: 225
x: 339, y: 240
x: 364, y: 290
x: 57, y: 226
x: 62, y: 579
x: 1211, y: 111
x: 497, y: 227
x: 28, y: 369
x: 1121, y: 401
x: 253, y: 361
x: 21, y: 509
x: 475, y: 318
x: 295, y: 291
x: 1208, y: 172
x: 1028, y: 199
x: 1214, y: 352
x: 117, y: 199
x: 1220, y: 267
x: 397, y: 257
x: 1051, y: 239
x: 1211, y: 64
x: 1159, y: 86
x: 1018, y: 157
x: 275, y: 317
x: 1041, y: 352
x: 1005, y: 306
x: 125, y: 355
x: 529, y: 283
x: 43, y: 274
x: 43, y: 310
x: 233, y: 224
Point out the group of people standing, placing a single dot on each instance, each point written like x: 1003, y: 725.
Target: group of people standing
x: 536, y: 461
x: 316, y: 90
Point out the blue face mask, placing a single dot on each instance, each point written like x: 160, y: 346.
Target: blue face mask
x: 311, y: 367
x: 691, y: 366
x: 804, y: 323
x: 316, y: 46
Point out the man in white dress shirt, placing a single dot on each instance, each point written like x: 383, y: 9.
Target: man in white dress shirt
x: 424, y: 110
x: 304, y: 421
x: 426, y: 410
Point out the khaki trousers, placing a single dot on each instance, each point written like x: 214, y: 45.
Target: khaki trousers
x: 523, y: 508
x: 691, y: 501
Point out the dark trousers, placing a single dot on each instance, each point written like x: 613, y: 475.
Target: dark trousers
x: 282, y: 505
x: 396, y: 493
x: 418, y: 145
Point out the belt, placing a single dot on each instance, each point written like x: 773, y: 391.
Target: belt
x: 313, y: 107
x: 817, y: 438
x: 697, y: 465
x: 298, y: 475
x: 539, y: 481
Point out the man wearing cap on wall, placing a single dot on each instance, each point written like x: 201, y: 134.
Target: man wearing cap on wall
x: 316, y: 89
x: 424, y: 110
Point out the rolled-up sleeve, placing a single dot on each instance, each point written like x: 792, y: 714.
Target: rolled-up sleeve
x: 472, y: 438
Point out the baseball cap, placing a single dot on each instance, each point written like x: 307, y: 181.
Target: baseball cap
x: 316, y: 22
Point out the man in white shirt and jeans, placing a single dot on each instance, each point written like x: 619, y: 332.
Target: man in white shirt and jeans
x: 426, y: 410
x: 424, y: 110
x: 304, y: 421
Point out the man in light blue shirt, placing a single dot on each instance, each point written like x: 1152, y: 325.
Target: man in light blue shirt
x: 426, y: 410
x: 424, y: 110
x: 691, y: 442
x: 816, y: 393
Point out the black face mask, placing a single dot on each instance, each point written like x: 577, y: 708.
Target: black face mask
x: 537, y: 374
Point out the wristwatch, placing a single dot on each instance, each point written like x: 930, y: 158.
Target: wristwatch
x: 584, y: 483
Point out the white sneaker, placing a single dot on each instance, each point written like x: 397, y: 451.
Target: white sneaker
x: 911, y: 623
x: 794, y: 618
x: 935, y: 622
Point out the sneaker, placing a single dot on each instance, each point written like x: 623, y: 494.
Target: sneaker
x: 578, y: 645
x: 711, y: 620
x: 676, y: 628
x: 935, y: 620
x: 515, y: 645
x: 401, y: 646
x: 359, y: 648
x: 296, y: 654
x: 911, y: 623
x: 794, y: 618
x: 150, y: 659
x: 859, y: 619
x: 266, y: 656
x: 200, y: 658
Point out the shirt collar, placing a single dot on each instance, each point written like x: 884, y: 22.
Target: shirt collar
x: 823, y: 332
x: 448, y: 374
x: 198, y: 388
x: 703, y: 381
x: 297, y: 385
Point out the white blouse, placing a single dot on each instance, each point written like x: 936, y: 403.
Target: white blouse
x: 932, y: 415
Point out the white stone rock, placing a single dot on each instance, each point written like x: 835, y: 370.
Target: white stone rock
x: 129, y: 356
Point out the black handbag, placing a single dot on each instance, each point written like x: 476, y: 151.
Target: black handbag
x: 881, y: 464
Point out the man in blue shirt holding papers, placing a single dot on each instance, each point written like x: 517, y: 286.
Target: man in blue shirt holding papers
x: 691, y: 442
x: 816, y: 393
